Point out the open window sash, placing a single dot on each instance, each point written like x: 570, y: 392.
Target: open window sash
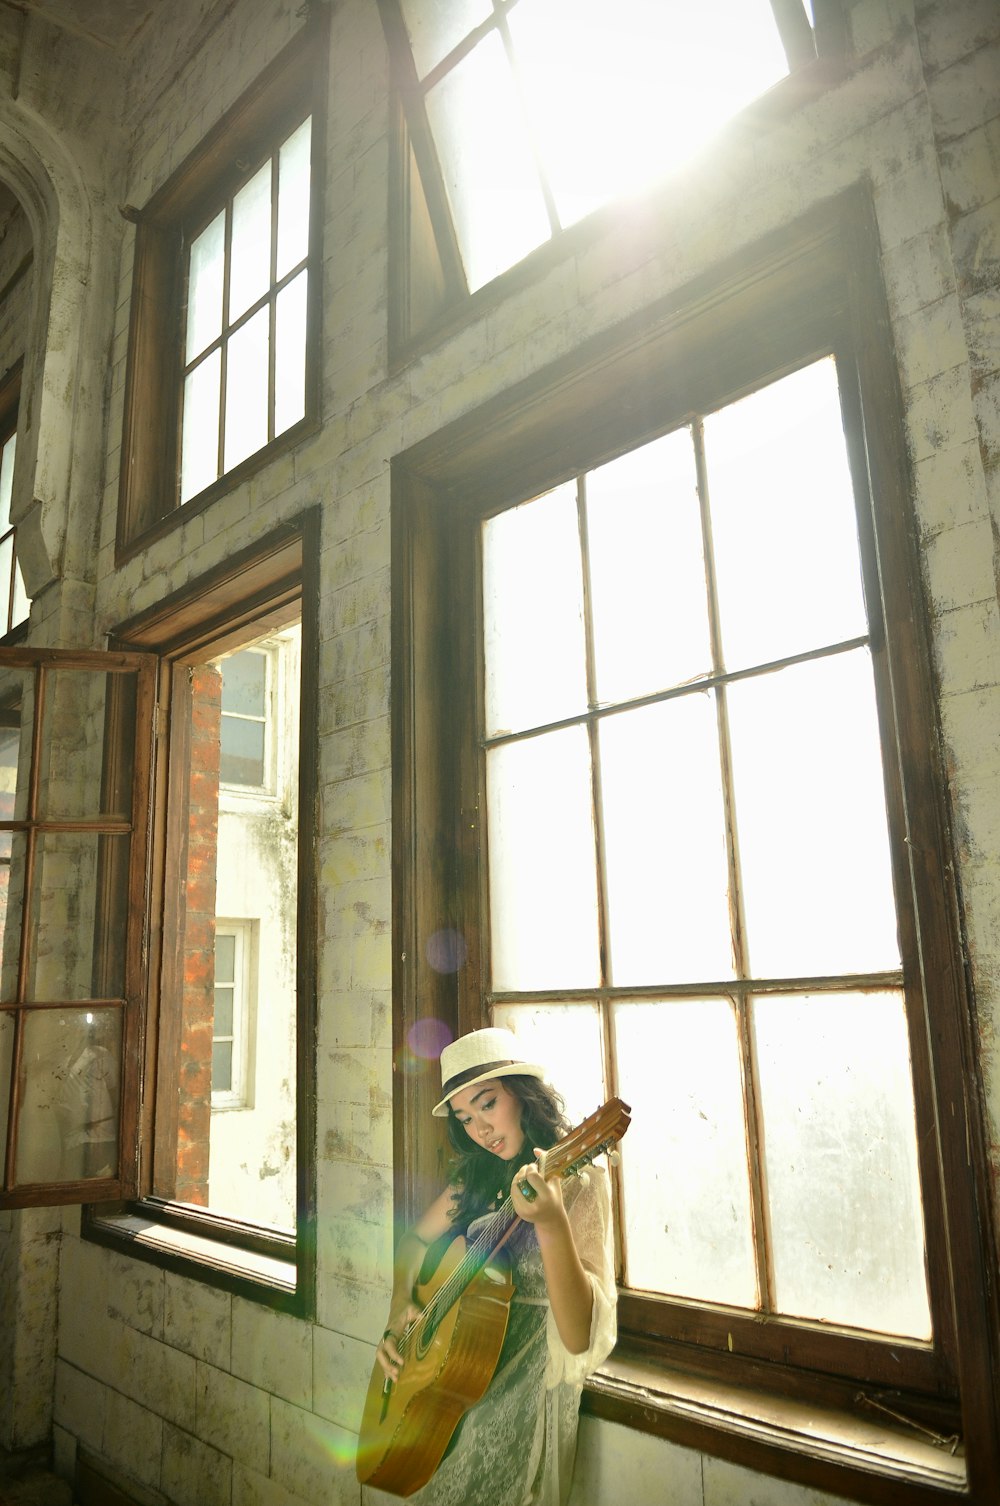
x: 76, y: 733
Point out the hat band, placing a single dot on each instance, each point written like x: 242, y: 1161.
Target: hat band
x: 472, y: 1073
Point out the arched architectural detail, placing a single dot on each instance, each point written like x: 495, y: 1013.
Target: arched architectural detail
x: 61, y: 424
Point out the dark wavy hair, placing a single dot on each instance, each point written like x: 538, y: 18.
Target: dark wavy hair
x: 476, y: 1174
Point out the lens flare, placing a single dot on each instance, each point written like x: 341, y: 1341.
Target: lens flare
x: 428, y: 1038
x: 446, y: 951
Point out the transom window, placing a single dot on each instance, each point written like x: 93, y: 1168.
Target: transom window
x: 524, y: 116
x: 244, y: 376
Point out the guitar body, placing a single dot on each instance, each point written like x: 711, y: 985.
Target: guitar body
x: 408, y: 1424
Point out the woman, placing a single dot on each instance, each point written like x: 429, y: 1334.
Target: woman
x: 516, y: 1446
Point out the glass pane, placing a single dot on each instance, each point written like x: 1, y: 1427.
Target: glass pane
x: 688, y: 1228
x: 222, y: 1066
x: 567, y: 1040
x: 225, y: 961
x: 70, y: 1069
x: 783, y: 521
x: 664, y: 79
x: 244, y: 679
x: 647, y: 571
x: 290, y: 354
x: 7, y: 451
x: 6, y: 560
x: 665, y: 843
x: 543, y: 885
x: 841, y: 1160
x: 205, y: 278
x: 87, y: 743
x: 487, y: 162
x: 436, y: 26
x: 223, y: 1025
x: 242, y: 752
x: 22, y: 605
x: 533, y: 637
x: 250, y: 251
x: 79, y: 952
x: 810, y: 810
x: 200, y: 429
x: 246, y: 389
x: 293, y: 199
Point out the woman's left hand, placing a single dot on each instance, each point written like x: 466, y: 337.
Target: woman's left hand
x: 543, y: 1203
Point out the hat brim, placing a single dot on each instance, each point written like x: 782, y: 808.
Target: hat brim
x: 506, y: 1069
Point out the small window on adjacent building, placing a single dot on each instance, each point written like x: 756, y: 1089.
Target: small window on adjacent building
x: 233, y: 1028
x: 223, y: 342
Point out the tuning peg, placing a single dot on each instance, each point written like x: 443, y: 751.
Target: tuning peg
x: 614, y: 1158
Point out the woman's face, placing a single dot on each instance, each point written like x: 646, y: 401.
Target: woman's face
x: 491, y: 1117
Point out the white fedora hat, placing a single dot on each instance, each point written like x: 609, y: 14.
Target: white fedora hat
x: 476, y: 1058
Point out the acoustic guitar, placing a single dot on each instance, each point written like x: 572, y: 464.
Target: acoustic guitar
x: 451, y: 1350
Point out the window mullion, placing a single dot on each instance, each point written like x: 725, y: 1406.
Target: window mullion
x: 751, y: 1116
x: 273, y: 298
x: 227, y: 263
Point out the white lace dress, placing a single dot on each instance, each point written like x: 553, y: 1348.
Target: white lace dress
x: 516, y: 1447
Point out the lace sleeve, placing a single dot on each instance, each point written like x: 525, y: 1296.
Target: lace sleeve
x: 589, y: 1207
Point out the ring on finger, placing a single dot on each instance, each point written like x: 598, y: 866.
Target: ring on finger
x: 527, y: 1191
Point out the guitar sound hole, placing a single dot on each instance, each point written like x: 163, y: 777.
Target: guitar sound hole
x: 425, y: 1337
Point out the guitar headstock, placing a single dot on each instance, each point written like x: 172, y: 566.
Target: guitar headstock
x: 598, y: 1134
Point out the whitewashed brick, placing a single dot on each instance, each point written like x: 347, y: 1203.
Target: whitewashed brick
x: 311, y: 1456
x: 959, y: 566
x: 234, y: 1417
x: 253, y: 1489
x: 618, y: 1464
x: 967, y: 648
x: 133, y: 1439
x: 198, y: 1319
x: 194, y: 1474
x: 272, y: 1351
x: 343, y: 1367
x: 81, y: 1404
x: 728, y: 1485
x: 135, y: 1294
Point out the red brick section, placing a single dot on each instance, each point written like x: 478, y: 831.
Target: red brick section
x: 198, y: 940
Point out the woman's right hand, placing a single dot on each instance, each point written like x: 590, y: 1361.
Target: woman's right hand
x: 387, y: 1353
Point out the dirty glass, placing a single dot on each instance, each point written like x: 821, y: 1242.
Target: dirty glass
x: 810, y: 811
x: 87, y: 745
x: 487, y: 161
x: 200, y: 433
x: 247, y: 389
x: 647, y: 570
x: 206, y: 269
x: 566, y: 1039
x: 684, y: 1159
x: 665, y: 843
x: 436, y: 26
x: 535, y: 655
x: 784, y: 529
x: 291, y: 308
x: 78, y: 953
x: 250, y: 249
x: 840, y: 1160
x: 542, y: 868
x: 67, y: 1127
x: 293, y: 200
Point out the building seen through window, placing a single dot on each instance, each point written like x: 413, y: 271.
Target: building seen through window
x: 14, y: 604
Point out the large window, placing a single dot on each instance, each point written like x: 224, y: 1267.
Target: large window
x: 520, y: 117
x: 224, y: 334
x: 660, y: 687
x: 141, y: 1058
x: 688, y: 854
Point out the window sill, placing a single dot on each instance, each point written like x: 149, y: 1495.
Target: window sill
x: 871, y: 1460
x: 251, y: 1273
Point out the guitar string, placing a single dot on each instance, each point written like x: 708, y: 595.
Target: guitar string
x: 471, y: 1263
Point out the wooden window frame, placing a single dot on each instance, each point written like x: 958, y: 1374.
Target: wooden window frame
x: 429, y: 295
x: 290, y: 88
x: 261, y: 585
x: 800, y: 295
